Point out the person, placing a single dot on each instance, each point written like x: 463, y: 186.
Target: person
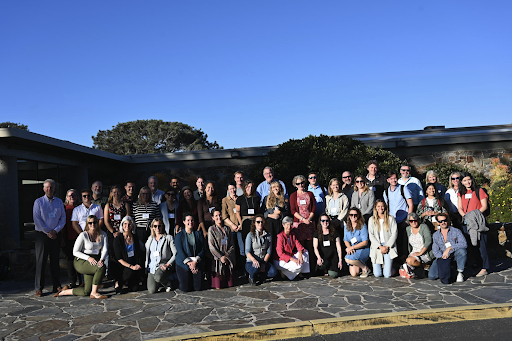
x: 348, y: 185
x: 383, y: 232
x: 318, y: 192
x: 431, y: 178
x: 49, y: 219
x: 87, y: 208
x: 419, y: 243
x: 156, y: 194
x: 412, y: 184
x: 69, y: 235
x: 175, y: 184
x: 190, y: 246
x: 114, y: 212
x: 128, y: 253
x: 231, y: 220
x: 292, y: 259
x: 258, y: 247
x: 449, y: 245
x: 399, y: 201
x: 357, y: 243
x: 264, y: 187
x: 169, y: 210
x: 90, y: 250
x: 363, y: 198
x: 128, y: 197
x: 275, y: 207
x: 144, y: 211
x: 376, y: 182
x: 221, y: 244
x: 247, y: 206
x: 238, y: 182
x: 302, y: 208
x: 472, y: 204
x: 187, y: 205
x: 452, y: 199
x: 205, y: 207
x: 327, y: 247
x: 97, y: 195
x: 431, y: 206
x: 199, y: 192
x: 336, y: 205
x: 161, y: 253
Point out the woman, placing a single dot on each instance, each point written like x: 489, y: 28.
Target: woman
x: 275, y: 207
x: 336, y: 204
x: 383, y: 231
x: 470, y: 202
x: 187, y: 205
x: 356, y: 243
x: 128, y: 252
x: 220, y: 242
x: 431, y: 178
x: 247, y: 206
x: 302, y: 208
x: 90, y: 250
x: 292, y: 259
x: 231, y: 220
x: 144, y: 211
x: 327, y: 245
x: 420, y: 243
x: 190, y: 246
x: 363, y: 198
x: 258, y: 246
x: 169, y: 210
x: 69, y: 237
x: 430, y: 207
x: 160, y: 256
x: 452, y: 199
x: 205, y: 207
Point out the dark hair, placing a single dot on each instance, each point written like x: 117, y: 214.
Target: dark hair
x: 88, y: 191
x: 391, y: 173
x: 170, y: 189
x: 253, y: 224
x: 231, y: 183
x: 247, y: 182
x: 332, y: 230
x: 462, y: 189
x: 187, y: 214
x: 129, y: 181
x: 372, y: 162
x: 447, y: 216
x: 360, y: 219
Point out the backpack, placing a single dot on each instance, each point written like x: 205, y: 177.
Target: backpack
x: 487, y: 212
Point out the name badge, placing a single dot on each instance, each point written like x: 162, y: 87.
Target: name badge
x: 448, y: 244
x: 84, y: 218
x: 145, y: 215
x: 211, y: 209
x: 468, y: 195
x: 250, y: 211
x: 353, y: 240
x: 95, y: 252
x: 276, y: 208
x: 327, y: 243
x: 156, y: 253
x: 131, y: 254
x: 234, y: 210
x: 117, y: 217
x: 372, y: 188
x: 334, y: 211
x: 51, y: 215
x: 224, y: 241
x: 171, y: 215
x: 302, y: 202
x: 358, y: 205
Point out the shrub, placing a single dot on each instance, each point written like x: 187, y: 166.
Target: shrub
x: 444, y: 170
x: 500, y: 193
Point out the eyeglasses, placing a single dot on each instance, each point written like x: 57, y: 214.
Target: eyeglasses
x: 312, y: 177
x: 259, y: 221
x: 85, y: 196
x: 359, y: 181
x: 413, y: 221
x: 157, y: 226
x: 346, y: 177
x: 442, y: 221
x: 404, y: 170
x: 324, y: 220
x: 170, y: 194
x: 353, y: 215
x: 299, y: 183
x: 456, y: 178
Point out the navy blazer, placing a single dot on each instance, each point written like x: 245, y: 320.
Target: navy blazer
x: 183, y: 249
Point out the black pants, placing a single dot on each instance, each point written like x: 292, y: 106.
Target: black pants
x: 129, y: 277
x: 68, y: 250
x: 47, y: 247
x: 186, y: 276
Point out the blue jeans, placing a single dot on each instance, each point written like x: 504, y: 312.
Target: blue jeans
x: 388, y: 264
x: 459, y: 256
x: 270, y: 270
x: 241, y: 245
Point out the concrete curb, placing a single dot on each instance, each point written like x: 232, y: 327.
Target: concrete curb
x: 354, y: 323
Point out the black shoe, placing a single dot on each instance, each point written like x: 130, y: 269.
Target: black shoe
x: 252, y: 282
x: 119, y: 289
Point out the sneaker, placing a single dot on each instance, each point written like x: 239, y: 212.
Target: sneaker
x: 482, y: 273
x: 168, y: 289
x: 365, y: 273
x: 460, y: 277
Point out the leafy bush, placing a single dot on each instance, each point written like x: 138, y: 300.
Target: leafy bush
x: 444, y: 170
x: 500, y: 192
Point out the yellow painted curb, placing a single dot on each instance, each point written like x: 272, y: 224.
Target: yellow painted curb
x: 354, y: 323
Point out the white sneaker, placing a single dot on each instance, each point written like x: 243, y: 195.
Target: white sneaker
x: 460, y: 277
x: 168, y: 289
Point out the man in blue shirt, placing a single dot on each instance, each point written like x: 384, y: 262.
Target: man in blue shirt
x: 264, y: 187
x: 412, y: 184
x: 318, y: 192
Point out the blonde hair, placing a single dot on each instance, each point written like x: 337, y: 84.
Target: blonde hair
x: 431, y: 173
x: 272, y: 199
x: 162, y: 227
x: 450, y: 185
x: 365, y: 186
x: 329, y: 190
x: 376, y: 214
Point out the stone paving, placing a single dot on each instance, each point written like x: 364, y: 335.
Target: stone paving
x: 141, y: 316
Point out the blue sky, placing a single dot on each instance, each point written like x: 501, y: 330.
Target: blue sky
x: 253, y: 73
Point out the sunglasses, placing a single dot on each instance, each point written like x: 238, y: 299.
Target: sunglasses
x: 324, y: 220
x: 86, y: 196
x: 456, y: 178
x: 312, y: 177
x: 346, y: 177
x: 413, y: 220
x: 259, y: 221
x: 91, y: 223
x: 353, y: 215
x: 170, y: 194
x: 299, y: 183
x: 359, y: 181
x: 157, y: 226
x: 404, y: 170
x: 442, y: 221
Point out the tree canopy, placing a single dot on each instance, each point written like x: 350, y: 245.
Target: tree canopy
x: 13, y: 125
x: 151, y: 137
x: 328, y: 156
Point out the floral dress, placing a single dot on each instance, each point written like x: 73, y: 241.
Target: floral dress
x: 115, y: 215
x: 304, y: 231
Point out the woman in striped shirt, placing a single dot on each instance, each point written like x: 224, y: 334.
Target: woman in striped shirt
x: 144, y: 211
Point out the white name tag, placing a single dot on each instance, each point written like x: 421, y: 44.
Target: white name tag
x: 234, y: 210
x: 434, y: 220
x: 372, y: 188
x: 145, y: 215
x: 302, y: 202
x: 131, y: 254
x: 156, y: 253
x: 224, y: 241
x: 84, y: 218
x: 51, y: 215
x: 250, y: 211
x: 353, y: 240
x: 117, y: 217
x: 327, y: 243
x: 334, y: 211
x: 171, y: 215
x: 211, y: 209
x: 468, y: 196
x: 358, y: 205
x: 448, y: 244
x: 95, y: 252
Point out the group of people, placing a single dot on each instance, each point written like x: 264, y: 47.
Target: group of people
x: 360, y: 223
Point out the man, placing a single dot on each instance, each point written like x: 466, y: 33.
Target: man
x: 97, y: 194
x: 412, y: 184
x: 49, y: 219
x: 449, y: 245
x: 156, y: 194
x: 348, y: 185
x: 318, y: 192
x: 175, y: 183
x: 239, y: 179
x: 199, y: 192
x: 80, y: 213
x: 400, y: 205
x: 376, y: 182
x: 263, y: 188
x: 129, y: 197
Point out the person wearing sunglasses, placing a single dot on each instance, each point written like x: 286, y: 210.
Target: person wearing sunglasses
x: 419, y: 241
x: 319, y: 193
x: 327, y: 246
x: 357, y: 243
x: 449, y: 246
x: 169, y: 210
x: 144, y: 211
x: 383, y: 232
x: 363, y: 198
x: 431, y: 178
x: 258, y: 247
x: 222, y: 249
x: 160, y: 256
x: 87, y: 208
x: 452, y: 199
x: 412, y: 183
x: 292, y: 258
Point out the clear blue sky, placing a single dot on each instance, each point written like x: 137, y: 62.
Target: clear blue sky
x: 253, y: 73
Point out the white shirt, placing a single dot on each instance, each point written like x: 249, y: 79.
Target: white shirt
x: 157, y: 196
x: 84, y: 247
x: 452, y: 199
x: 80, y: 214
x: 382, y: 238
x: 49, y: 214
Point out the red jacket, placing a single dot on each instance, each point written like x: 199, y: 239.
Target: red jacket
x: 284, y: 250
x: 295, y: 208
